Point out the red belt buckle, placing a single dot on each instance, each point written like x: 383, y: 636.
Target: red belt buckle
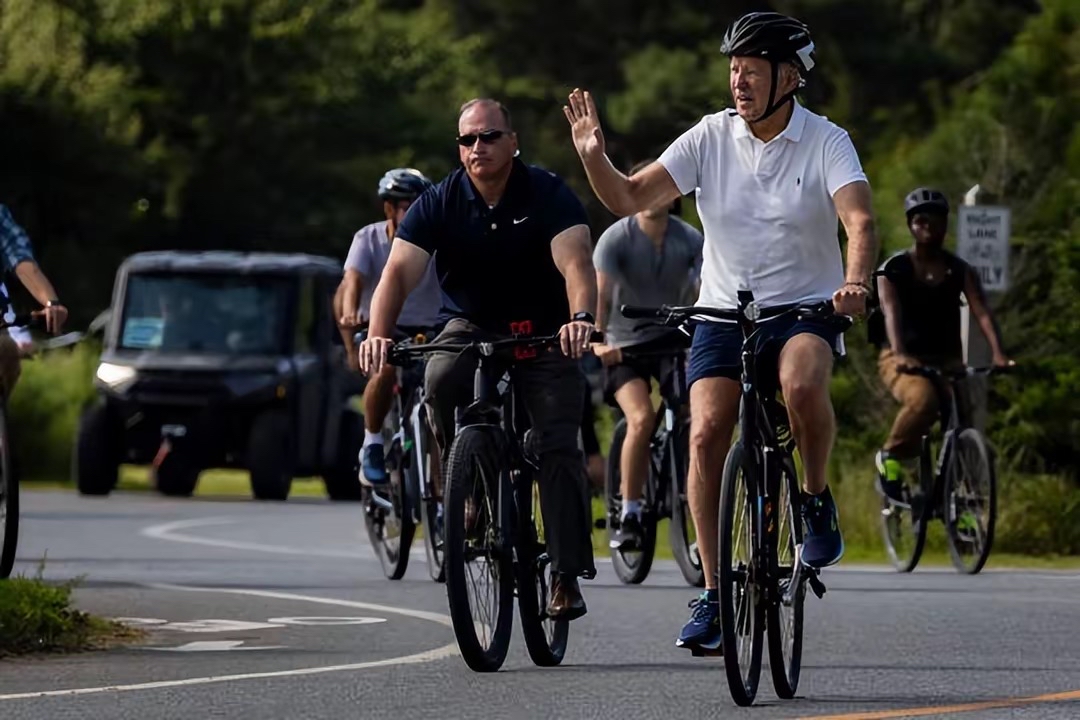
x: 524, y: 328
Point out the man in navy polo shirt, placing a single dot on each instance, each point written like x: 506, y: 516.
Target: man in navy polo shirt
x: 511, y: 244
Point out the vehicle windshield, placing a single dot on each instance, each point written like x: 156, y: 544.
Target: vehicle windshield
x: 206, y: 313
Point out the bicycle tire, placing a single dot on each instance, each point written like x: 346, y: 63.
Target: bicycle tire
x: 394, y: 560
x: 9, y: 501
x: 919, y: 501
x: 629, y: 571
x: 678, y: 461
x: 545, y: 639
x: 973, y: 439
x: 785, y: 652
x: 742, y: 677
x: 476, y: 450
x: 434, y: 545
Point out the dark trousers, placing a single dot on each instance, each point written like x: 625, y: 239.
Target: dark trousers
x: 551, y: 387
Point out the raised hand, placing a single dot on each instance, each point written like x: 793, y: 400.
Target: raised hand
x: 584, y: 123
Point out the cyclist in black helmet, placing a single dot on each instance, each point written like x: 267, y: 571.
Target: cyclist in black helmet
x: 368, y: 254
x: 919, y: 325
x: 771, y: 179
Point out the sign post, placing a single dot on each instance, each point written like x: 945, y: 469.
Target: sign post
x: 983, y: 242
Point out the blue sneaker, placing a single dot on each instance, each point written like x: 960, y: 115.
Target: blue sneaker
x: 373, y: 464
x: 823, y: 544
x: 702, y: 631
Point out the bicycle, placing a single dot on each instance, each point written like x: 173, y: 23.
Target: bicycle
x: 9, y: 482
x: 410, y: 499
x: 940, y: 492
x: 498, y: 519
x: 665, y: 486
x: 763, y: 583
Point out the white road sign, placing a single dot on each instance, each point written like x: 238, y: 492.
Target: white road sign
x: 983, y: 242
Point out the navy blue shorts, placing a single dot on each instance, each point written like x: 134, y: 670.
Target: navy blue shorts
x: 717, y: 345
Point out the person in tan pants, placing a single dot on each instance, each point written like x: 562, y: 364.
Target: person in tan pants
x: 920, y: 291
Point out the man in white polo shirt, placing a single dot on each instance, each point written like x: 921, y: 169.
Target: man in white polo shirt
x: 771, y: 179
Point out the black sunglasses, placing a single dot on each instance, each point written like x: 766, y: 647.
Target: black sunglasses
x: 487, y: 137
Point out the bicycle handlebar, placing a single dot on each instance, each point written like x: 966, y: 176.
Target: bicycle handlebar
x: 400, y: 354
x: 932, y: 372
x: 677, y: 314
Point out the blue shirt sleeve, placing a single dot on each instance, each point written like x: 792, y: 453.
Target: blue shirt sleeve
x: 14, y: 243
x: 564, y: 210
x: 421, y: 224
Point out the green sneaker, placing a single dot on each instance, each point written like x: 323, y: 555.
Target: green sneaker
x: 890, y: 476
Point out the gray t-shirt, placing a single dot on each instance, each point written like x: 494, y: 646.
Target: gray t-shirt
x: 641, y: 274
x: 368, y: 254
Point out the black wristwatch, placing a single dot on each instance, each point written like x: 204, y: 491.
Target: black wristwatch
x: 584, y: 317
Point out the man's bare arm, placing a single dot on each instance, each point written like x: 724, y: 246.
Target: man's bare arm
x: 980, y: 308
x: 624, y: 195
x: 854, y: 206
x: 403, y: 272
x: 890, y: 308
x: 604, y: 296
x: 572, y: 252
x: 34, y: 280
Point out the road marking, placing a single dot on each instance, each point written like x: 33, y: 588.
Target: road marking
x: 324, y: 620
x: 168, y: 531
x: 942, y: 709
x: 213, y: 626
x: 215, y: 645
x: 427, y: 656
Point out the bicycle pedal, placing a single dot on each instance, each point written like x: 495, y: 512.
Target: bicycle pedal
x: 816, y: 585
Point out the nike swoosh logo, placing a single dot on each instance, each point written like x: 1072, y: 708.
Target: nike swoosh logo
x: 521, y: 220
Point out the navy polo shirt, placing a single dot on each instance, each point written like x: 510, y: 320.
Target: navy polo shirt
x: 494, y: 264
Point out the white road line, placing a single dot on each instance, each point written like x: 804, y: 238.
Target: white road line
x: 422, y: 657
x: 169, y: 531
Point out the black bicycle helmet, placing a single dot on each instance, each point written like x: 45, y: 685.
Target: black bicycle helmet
x: 925, y: 200
x: 403, y: 184
x: 776, y: 38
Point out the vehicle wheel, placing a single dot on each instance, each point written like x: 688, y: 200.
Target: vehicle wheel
x: 742, y: 608
x: 9, y: 503
x: 632, y: 566
x: 970, y: 504
x: 904, y: 521
x: 270, y: 456
x: 545, y: 638
x: 342, y: 480
x: 95, y: 463
x: 176, y: 476
x: 478, y: 549
x: 784, y: 623
x: 682, y: 532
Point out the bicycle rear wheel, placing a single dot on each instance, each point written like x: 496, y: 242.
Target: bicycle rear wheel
x: 479, y: 563
x: 9, y: 502
x: 431, y: 505
x: 970, y: 501
x: 785, y: 621
x: 632, y: 565
x: 742, y: 607
x: 904, y: 521
x: 545, y: 638
x: 682, y: 532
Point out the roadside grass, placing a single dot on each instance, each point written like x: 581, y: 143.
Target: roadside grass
x: 38, y: 617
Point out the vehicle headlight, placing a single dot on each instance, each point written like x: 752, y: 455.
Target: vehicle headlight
x: 114, y: 375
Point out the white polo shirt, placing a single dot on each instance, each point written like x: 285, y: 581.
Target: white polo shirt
x: 766, y: 208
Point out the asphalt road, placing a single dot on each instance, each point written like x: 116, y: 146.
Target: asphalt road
x: 281, y: 611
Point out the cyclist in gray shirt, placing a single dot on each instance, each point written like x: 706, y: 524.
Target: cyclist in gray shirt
x: 651, y: 258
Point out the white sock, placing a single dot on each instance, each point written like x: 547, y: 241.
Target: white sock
x: 631, y: 507
x: 372, y: 438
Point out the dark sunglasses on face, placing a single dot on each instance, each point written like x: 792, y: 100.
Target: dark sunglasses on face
x: 487, y: 137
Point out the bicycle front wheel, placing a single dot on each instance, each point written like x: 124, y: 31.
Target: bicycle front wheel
x: 632, y: 564
x: 9, y: 502
x: 431, y: 504
x: 479, y: 562
x: 970, y: 501
x: 742, y: 606
x: 682, y: 532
